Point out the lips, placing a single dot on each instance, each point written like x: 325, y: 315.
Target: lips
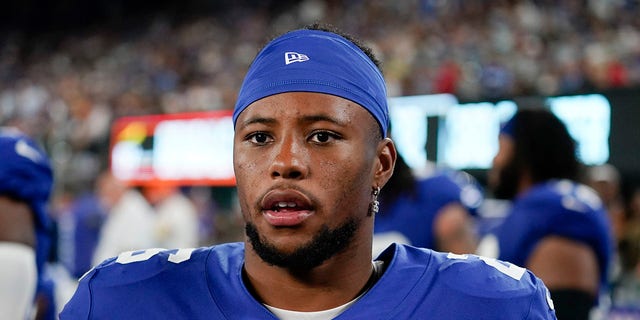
x: 286, y: 208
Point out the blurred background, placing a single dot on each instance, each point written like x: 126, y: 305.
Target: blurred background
x: 81, y: 76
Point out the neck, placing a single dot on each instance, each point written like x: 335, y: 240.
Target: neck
x: 336, y: 282
x: 525, y: 183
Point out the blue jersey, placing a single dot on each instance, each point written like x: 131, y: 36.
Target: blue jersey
x: 207, y: 283
x: 411, y: 217
x: 561, y: 208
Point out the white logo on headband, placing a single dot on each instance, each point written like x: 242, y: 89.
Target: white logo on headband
x: 291, y: 57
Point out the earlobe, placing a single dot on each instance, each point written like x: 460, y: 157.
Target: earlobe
x: 374, y: 205
x: 387, y: 156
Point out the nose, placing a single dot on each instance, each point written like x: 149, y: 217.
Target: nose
x: 289, y: 161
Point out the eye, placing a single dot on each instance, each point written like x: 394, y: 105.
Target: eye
x: 323, y: 136
x: 259, y: 138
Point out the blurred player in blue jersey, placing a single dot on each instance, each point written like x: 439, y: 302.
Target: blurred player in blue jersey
x: 434, y: 211
x: 556, y: 227
x: 26, y: 180
x: 310, y: 158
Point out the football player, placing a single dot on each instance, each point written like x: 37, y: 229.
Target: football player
x: 310, y: 157
x: 556, y: 227
x: 26, y: 179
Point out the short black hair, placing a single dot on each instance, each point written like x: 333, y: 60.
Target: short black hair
x: 330, y: 28
x: 543, y: 146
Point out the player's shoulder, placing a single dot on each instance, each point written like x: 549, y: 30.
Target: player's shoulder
x: 563, y: 194
x: 447, y: 285
x: 146, y: 265
x: 453, y: 184
x: 479, y: 276
x: 440, y: 181
x: 469, y: 271
x: 470, y: 274
x: 143, y: 265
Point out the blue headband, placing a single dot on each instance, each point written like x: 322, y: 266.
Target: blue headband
x: 25, y: 171
x: 316, y: 61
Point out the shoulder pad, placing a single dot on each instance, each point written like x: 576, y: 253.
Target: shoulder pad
x: 135, y: 266
x: 485, y: 277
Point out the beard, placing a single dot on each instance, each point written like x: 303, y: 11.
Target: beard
x: 506, y: 186
x: 324, y: 245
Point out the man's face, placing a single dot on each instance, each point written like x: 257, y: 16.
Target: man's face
x: 305, y: 165
x: 503, y: 176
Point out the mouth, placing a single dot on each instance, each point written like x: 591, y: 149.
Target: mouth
x: 286, y: 208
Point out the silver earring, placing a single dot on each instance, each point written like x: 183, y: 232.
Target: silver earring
x: 374, y: 206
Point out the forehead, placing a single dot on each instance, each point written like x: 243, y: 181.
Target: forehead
x: 306, y: 105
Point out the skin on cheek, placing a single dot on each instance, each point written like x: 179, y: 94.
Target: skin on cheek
x: 244, y: 170
x: 333, y: 179
x: 244, y: 165
x: 348, y: 183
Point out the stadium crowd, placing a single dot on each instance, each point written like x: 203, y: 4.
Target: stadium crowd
x: 66, y: 90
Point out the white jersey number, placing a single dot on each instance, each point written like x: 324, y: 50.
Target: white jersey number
x: 180, y: 255
x: 507, y: 268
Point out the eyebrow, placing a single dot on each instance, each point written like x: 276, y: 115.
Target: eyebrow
x: 305, y: 119
x: 259, y: 120
x: 321, y: 118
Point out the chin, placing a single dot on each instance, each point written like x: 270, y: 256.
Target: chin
x: 298, y: 255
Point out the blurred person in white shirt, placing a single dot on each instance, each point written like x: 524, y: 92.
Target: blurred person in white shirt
x: 130, y: 221
x: 177, y: 224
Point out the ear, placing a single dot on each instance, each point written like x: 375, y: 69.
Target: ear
x: 386, y: 156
